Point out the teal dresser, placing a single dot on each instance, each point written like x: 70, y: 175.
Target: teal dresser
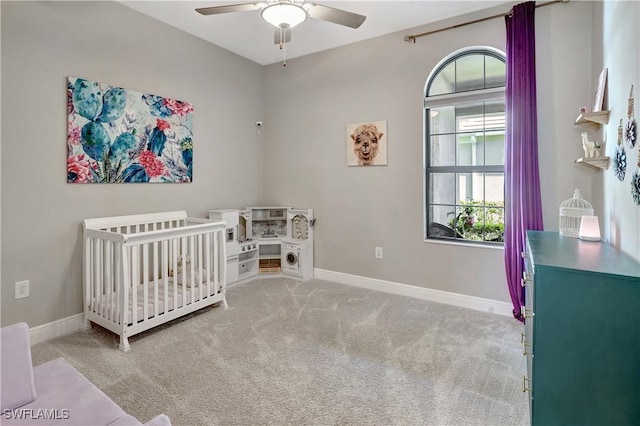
x: 582, y: 332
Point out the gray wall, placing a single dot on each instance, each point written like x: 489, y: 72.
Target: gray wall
x: 621, y: 48
x: 42, y: 44
x: 313, y: 99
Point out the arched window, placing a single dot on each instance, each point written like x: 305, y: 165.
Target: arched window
x: 464, y: 147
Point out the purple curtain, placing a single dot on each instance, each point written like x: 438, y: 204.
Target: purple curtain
x: 523, y: 206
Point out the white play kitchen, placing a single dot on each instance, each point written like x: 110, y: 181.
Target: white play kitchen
x: 267, y: 241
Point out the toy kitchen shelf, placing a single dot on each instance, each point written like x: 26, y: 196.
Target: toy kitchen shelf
x: 248, y: 264
x: 592, y: 120
x: 269, y: 256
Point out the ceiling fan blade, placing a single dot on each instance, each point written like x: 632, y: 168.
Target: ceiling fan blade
x: 282, y: 31
x: 337, y: 16
x: 243, y: 7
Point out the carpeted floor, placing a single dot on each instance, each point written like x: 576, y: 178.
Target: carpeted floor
x: 287, y: 352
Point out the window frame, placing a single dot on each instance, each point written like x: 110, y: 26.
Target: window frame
x: 453, y: 99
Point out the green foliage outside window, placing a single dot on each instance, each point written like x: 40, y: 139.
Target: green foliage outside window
x: 479, y: 222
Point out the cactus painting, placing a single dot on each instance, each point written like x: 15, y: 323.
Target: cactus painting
x: 117, y: 135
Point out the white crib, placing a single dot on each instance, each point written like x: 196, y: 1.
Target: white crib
x: 140, y: 271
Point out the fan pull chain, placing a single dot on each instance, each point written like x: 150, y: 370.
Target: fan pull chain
x: 283, y: 46
x: 284, y: 55
x: 630, y: 107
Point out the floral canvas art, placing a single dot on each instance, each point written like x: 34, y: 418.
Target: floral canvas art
x: 118, y: 135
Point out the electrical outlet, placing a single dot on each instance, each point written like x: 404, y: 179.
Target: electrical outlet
x: 378, y: 252
x: 22, y: 289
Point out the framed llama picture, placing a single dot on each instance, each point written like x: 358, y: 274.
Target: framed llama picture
x: 117, y: 135
x: 367, y: 144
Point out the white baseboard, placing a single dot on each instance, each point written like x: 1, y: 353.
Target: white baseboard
x: 439, y: 296
x: 54, y: 329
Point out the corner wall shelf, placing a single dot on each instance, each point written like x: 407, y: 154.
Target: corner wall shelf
x: 600, y: 163
x: 592, y: 120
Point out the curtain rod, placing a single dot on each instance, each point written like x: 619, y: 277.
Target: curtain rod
x: 415, y: 36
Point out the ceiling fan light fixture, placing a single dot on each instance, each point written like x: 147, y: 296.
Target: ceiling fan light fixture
x: 284, y: 14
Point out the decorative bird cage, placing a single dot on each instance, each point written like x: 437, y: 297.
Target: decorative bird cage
x: 571, y: 212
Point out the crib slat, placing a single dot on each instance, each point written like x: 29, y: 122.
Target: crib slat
x: 207, y: 248
x: 174, y: 260
x: 135, y: 274
x: 91, y: 272
x: 112, y: 285
x: 88, y: 274
x: 106, y: 271
x: 192, y: 269
x: 200, y: 272
x: 105, y: 278
x: 156, y: 274
x: 223, y: 267
x: 101, y: 279
x: 145, y: 281
x: 216, y: 262
x: 114, y: 282
x: 124, y: 295
x: 165, y: 275
x: 118, y: 281
x: 183, y: 253
x: 96, y: 278
x: 99, y: 268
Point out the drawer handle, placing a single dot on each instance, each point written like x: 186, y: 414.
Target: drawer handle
x: 525, y: 384
x: 526, y: 313
x: 524, y: 345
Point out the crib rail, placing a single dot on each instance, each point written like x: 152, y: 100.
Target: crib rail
x: 135, y: 220
x: 138, y: 275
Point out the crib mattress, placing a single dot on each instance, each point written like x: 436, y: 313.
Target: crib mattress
x: 105, y: 306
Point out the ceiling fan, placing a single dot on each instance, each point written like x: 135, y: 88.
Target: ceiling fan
x: 286, y: 14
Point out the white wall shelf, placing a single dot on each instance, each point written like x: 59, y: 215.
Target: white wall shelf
x: 593, y: 120
x: 599, y: 163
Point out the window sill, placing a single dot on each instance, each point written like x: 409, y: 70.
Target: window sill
x: 463, y: 244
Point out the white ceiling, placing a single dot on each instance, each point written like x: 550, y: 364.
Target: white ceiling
x: 246, y: 34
